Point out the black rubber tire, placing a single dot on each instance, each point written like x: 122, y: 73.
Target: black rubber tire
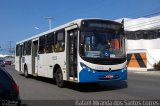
x: 59, y: 78
x: 26, y: 72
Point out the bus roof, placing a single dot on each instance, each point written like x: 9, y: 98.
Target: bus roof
x: 77, y: 21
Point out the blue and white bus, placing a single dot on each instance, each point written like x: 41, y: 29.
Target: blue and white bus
x: 81, y: 51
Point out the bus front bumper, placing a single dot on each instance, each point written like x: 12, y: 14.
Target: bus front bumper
x: 89, y: 75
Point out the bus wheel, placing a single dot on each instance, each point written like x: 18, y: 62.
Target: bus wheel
x: 26, y: 72
x: 59, y: 78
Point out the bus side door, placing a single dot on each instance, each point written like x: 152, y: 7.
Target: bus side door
x: 20, y: 57
x: 35, y: 58
x: 72, y: 36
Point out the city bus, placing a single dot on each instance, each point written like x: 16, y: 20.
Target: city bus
x: 80, y: 51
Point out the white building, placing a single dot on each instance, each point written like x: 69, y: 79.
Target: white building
x: 143, y: 42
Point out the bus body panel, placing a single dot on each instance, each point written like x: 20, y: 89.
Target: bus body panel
x: 86, y: 71
x: 95, y: 76
x: 98, y: 73
x: 103, y: 67
x: 27, y: 62
x: 17, y: 63
x: 47, y: 63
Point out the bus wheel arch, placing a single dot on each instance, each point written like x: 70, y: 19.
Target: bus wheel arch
x: 55, y: 70
x: 58, y: 76
x: 26, y: 71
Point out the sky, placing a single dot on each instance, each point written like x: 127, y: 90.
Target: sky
x: 20, y: 19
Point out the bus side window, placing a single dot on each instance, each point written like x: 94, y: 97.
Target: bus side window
x: 59, y: 44
x: 24, y: 48
x: 49, y: 43
x: 17, y: 50
x: 28, y: 49
x: 41, y: 44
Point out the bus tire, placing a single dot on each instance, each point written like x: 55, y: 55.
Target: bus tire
x: 26, y: 72
x: 59, y: 78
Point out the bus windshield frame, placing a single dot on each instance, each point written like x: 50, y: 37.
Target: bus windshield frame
x: 102, y: 41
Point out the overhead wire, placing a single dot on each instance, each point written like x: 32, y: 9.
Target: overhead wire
x: 155, y: 21
x: 144, y: 16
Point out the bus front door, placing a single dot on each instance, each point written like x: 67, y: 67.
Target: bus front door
x: 34, y: 58
x: 20, y: 57
x: 72, y: 53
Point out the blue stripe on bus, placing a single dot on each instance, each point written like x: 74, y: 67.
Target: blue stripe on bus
x: 89, y: 75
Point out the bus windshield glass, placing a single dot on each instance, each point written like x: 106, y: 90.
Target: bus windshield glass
x: 102, y: 41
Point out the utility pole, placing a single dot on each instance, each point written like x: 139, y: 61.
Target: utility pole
x: 10, y: 49
x: 49, y: 21
x: 0, y: 48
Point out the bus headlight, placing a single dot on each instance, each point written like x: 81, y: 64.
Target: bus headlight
x: 124, y: 69
x: 94, y: 71
x: 83, y: 65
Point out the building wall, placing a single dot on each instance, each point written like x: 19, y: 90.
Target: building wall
x: 141, y: 23
x: 153, y: 56
x: 137, y: 59
x: 143, y: 43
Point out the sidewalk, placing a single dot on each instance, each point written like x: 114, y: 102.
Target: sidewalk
x: 153, y: 72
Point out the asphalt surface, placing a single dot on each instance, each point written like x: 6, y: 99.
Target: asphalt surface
x: 139, y: 86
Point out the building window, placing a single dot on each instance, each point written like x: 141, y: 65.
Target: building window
x: 143, y: 34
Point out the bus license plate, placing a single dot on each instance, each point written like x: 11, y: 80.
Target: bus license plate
x: 109, y: 76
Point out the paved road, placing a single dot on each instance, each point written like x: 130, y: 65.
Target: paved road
x: 140, y: 86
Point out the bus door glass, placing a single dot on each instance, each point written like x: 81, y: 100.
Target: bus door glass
x: 34, y: 57
x: 20, y: 57
x: 72, y: 36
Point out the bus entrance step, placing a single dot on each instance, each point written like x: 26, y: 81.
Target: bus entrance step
x: 72, y: 79
x: 35, y: 74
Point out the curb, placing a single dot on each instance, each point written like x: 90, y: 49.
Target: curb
x: 155, y: 72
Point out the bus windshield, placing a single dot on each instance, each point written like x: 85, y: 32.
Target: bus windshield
x: 102, y: 43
